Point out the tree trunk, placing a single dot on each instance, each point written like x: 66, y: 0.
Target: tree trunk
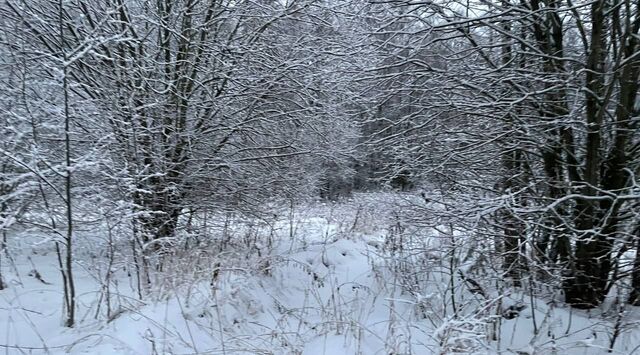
x: 513, y: 229
x: 634, y: 296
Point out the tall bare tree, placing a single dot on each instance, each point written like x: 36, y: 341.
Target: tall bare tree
x: 548, y: 88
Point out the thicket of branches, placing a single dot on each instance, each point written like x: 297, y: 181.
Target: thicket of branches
x: 528, y: 113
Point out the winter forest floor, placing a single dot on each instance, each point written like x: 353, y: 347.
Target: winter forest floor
x: 343, y: 278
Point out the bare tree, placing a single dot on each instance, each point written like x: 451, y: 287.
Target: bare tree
x: 552, y: 97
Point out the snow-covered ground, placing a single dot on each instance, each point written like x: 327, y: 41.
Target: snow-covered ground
x: 329, y: 290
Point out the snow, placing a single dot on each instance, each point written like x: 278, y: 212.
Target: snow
x: 330, y: 291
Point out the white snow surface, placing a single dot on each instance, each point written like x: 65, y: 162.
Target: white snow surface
x: 327, y: 291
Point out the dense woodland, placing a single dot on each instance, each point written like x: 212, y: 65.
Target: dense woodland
x: 512, y: 127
